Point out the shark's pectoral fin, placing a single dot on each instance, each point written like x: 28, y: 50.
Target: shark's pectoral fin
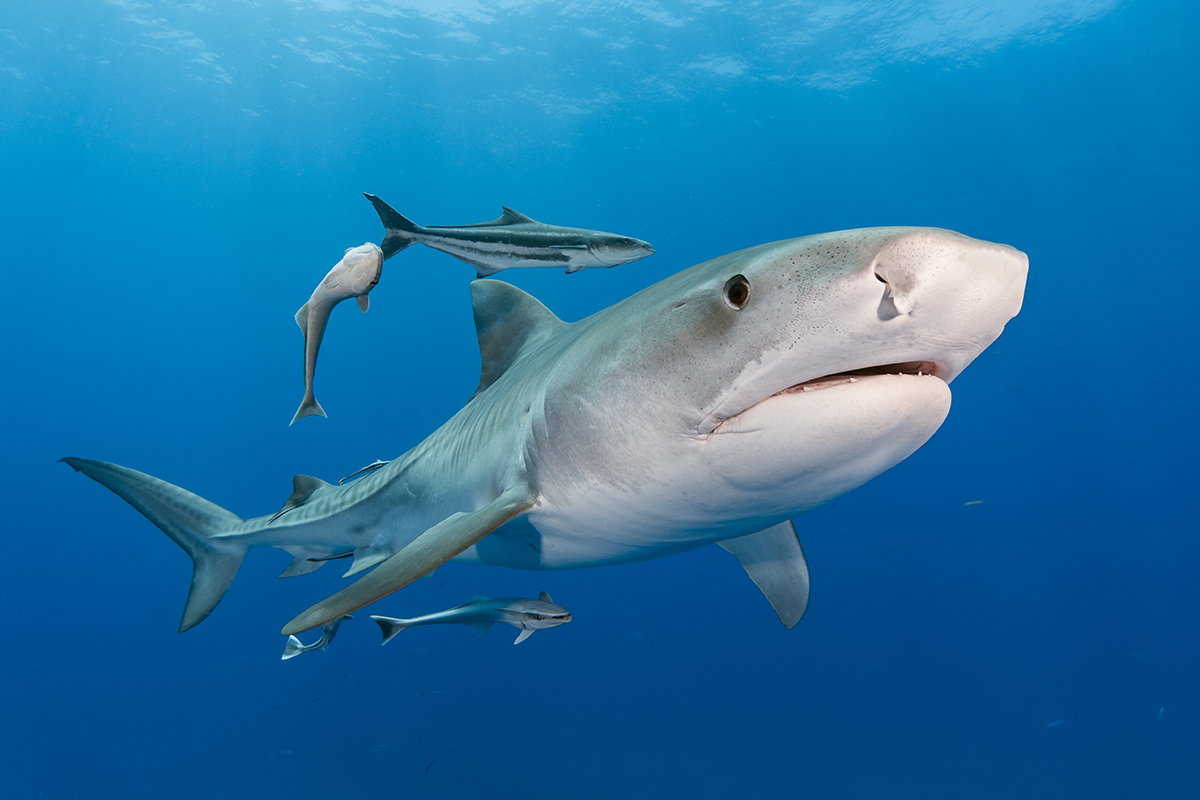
x: 432, y: 548
x: 524, y: 634
x: 775, y: 562
x: 364, y: 303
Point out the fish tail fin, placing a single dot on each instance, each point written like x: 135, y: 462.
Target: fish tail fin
x: 201, y: 528
x: 390, y: 627
x: 292, y: 648
x: 398, y: 228
x: 308, y: 408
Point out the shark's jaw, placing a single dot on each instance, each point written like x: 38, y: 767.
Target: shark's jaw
x: 920, y: 369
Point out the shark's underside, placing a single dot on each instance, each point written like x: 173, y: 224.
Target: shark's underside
x: 712, y: 407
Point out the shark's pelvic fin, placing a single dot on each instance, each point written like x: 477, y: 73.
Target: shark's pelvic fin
x: 305, y: 559
x: 508, y: 322
x: 775, y: 562
x: 192, y: 522
x: 432, y: 548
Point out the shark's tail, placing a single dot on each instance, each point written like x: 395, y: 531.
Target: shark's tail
x: 398, y: 228
x: 192, y: 522
x: 390, y: 626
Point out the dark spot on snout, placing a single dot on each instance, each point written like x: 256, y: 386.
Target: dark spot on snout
x: 737, y: 292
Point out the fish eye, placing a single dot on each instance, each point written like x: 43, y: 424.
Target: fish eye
x: 737, y: 292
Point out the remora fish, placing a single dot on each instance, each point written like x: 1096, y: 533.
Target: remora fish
x: 512, y: 240
x: 712, y: 407
x: 293, y: 646
x: 481, y: 613
x: 353, y: 276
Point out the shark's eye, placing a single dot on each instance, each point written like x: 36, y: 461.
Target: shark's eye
x: 737, y: 292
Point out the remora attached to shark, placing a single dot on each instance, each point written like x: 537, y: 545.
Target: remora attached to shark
x: 354, y: 276
x: 511, y: 240
x: 481, y: 613
x: 712, y: 407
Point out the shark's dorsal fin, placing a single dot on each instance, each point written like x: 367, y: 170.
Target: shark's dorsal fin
x: 509, y: 322
x: 545, y: 597
x: 475, y: 598
x: 303, y: 488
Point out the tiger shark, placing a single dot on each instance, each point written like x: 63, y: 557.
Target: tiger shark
x: 510, y: 240
x: 714, y: 406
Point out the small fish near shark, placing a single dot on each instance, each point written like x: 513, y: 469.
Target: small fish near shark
x: 511, y: 240
x: 713, y: 407
x: 481, y: 613
x: 293, y: 646
x: 354, y: 276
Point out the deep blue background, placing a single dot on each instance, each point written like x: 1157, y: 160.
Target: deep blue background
x: 175, y: 179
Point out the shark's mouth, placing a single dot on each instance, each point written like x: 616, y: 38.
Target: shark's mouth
x: 918, y: 368
x: 743, y: 400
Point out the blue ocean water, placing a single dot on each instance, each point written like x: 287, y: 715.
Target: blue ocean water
x: 177, y: 176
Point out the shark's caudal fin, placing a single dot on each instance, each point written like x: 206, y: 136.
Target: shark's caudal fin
x: 192, y: 522
x: 398, y: 228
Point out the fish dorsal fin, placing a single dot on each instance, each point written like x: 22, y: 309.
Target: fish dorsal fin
x: 545, y: 597
x: 509, y: 217
x: 475, y: 598
x: 509, y: 322
x: 303, y: 488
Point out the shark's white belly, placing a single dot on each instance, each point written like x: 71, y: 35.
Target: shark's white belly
x: 775, y: 461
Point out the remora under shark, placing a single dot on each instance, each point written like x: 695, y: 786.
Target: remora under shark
x: 511, y: 240
x: 711, y: 407
x: 481, y: 613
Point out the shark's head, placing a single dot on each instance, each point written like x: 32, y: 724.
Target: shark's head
x: 760, y: 384
x: 611, y: 250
